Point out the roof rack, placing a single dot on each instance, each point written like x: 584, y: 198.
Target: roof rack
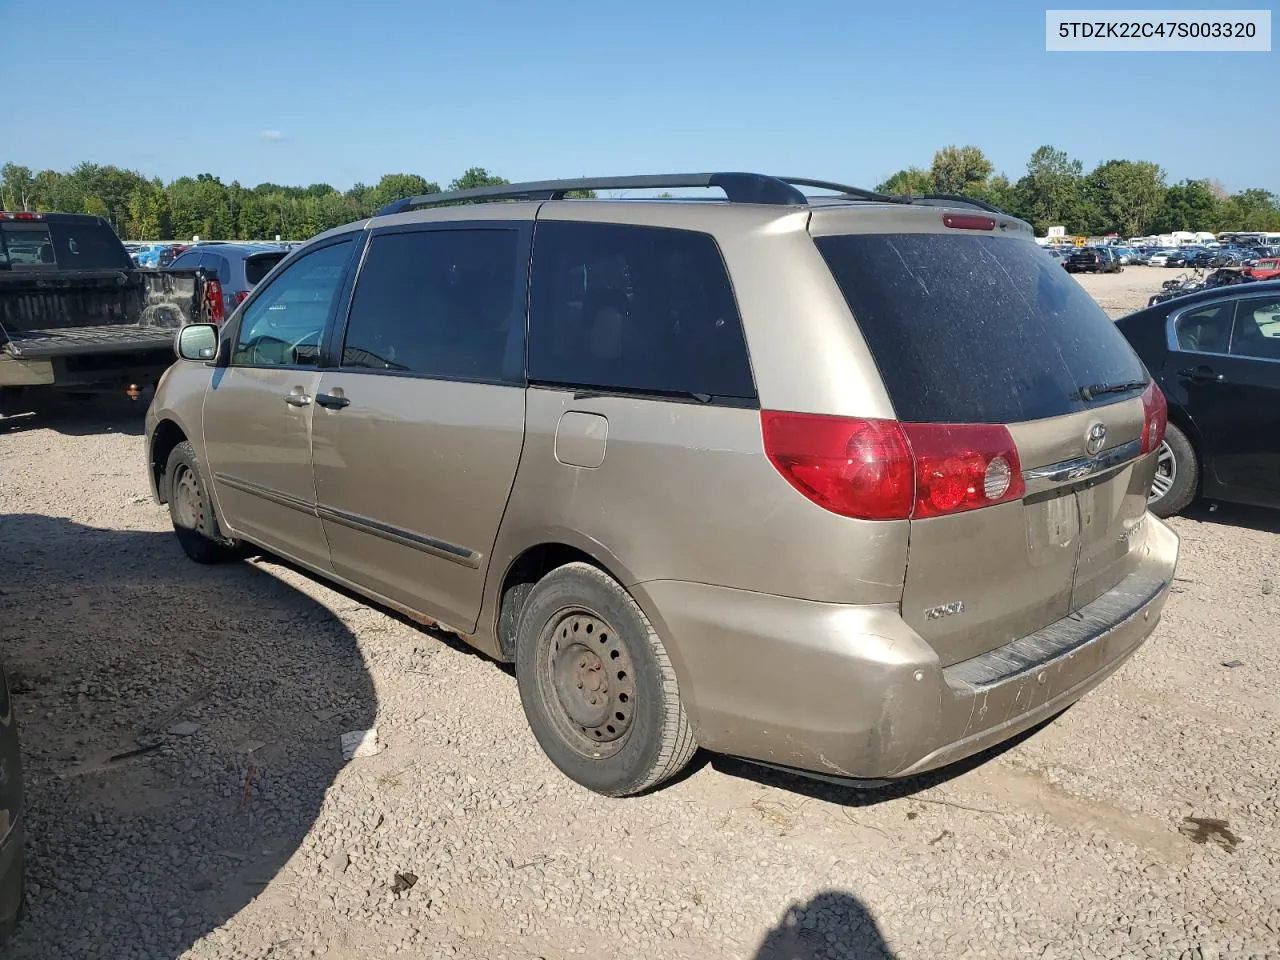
x: 953, y: 200
x: 737, y: 187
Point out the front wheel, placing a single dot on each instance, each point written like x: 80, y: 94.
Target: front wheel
x: 597, y: 686
x: 194, y: 522
x: 1177, y: 475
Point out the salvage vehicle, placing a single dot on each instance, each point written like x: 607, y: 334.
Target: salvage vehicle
x: 1216, y: 355
x: 1094, y: 260
x: 851, y: 484
x: 76, y: 314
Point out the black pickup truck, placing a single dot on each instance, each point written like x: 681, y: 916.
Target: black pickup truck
x: 76, y: 315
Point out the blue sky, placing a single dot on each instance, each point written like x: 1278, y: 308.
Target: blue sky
x: 302, y: 92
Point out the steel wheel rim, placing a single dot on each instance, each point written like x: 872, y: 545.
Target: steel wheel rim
x: 186, y: 498
x: 1166, y: 472
x: 587, y: 680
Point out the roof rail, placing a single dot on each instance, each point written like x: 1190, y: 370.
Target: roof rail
x: 845, y: 190
x: 954, y: 199
x: 738, y: 187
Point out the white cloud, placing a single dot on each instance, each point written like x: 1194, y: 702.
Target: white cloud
x: 273, y: 136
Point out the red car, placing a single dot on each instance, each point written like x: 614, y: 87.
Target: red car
x: 1264, y: 269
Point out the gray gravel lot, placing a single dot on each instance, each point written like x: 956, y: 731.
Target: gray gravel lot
x: 1145, y: 822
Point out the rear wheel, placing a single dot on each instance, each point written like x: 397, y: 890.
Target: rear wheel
x: 597, y: 685
x: 194, y: 522
x: 1177, y: 475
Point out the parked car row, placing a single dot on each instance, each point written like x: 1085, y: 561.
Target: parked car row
x: 1201, y: 257
x: 164, y: 254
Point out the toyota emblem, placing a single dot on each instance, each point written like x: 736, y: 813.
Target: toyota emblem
x: 1095, y: 438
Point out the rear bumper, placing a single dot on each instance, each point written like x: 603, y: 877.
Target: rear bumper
x: 854, y: 692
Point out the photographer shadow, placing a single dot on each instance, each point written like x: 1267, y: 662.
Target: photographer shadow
x: 830, y: 926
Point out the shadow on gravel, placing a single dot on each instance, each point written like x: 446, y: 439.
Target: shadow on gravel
x: 870, y: 793
x: 180, y: 727
x: 75, y: 417
x: 831, y: 926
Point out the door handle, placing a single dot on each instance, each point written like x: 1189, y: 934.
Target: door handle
x: 297, y: 399
x: 1201, y: 374
x: 331, y: 402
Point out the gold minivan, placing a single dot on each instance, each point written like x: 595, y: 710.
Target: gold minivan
x: 848, y: 484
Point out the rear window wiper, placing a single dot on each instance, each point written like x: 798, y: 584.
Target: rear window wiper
x: 1098, y: 389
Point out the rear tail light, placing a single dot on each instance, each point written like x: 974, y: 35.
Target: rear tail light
x: 213, y: 299
x: 1155, y: 417
x: 961, y: 467
x: 240, y: 296
x: 886, y: 470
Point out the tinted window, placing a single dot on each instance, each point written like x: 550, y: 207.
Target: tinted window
x: 439, y: 303
x: 642, y: 309
x: 259, y: 265
x: 285, y: 323
x: 1206, y: 330
x: 188, y: 261
x: 88, y: 245
x: 970, y: 329
x: 26, y: 246
x: 1257, y: 331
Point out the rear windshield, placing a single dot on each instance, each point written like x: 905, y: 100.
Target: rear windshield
x: 969, y: 329
x: 259, y: 265
x: 63, y: 245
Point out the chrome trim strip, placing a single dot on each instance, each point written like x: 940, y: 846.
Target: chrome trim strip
x: 1077, y: 469
x: 437, y: 548
x: 266, y: 493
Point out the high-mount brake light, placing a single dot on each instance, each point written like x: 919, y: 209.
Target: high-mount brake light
x: 968, y: 221
x: 886, y: 470
x: 1155, y: 417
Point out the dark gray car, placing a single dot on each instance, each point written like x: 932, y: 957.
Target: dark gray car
x: 238, y: 267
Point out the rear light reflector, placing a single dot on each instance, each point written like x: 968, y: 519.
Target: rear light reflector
x: 961, y: 467
x: 968, y: 221
x: 886, y: 470
x: 1155, y: 417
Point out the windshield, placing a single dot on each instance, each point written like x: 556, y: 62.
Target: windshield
x: 969, y: 329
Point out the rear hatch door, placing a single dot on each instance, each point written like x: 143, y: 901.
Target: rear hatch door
x: 973, y: 326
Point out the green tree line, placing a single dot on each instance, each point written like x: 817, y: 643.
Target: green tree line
x: 1129, y: 197
x: 142, y: 208
x: 1123, y: 196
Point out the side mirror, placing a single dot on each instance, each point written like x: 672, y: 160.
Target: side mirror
x: 197, y: 341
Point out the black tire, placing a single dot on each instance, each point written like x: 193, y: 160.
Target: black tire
x: 1177, y: 463
x: 580, y: 626
x: 193, y: 519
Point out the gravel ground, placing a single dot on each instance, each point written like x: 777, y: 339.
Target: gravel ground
x: 1142, y: 823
